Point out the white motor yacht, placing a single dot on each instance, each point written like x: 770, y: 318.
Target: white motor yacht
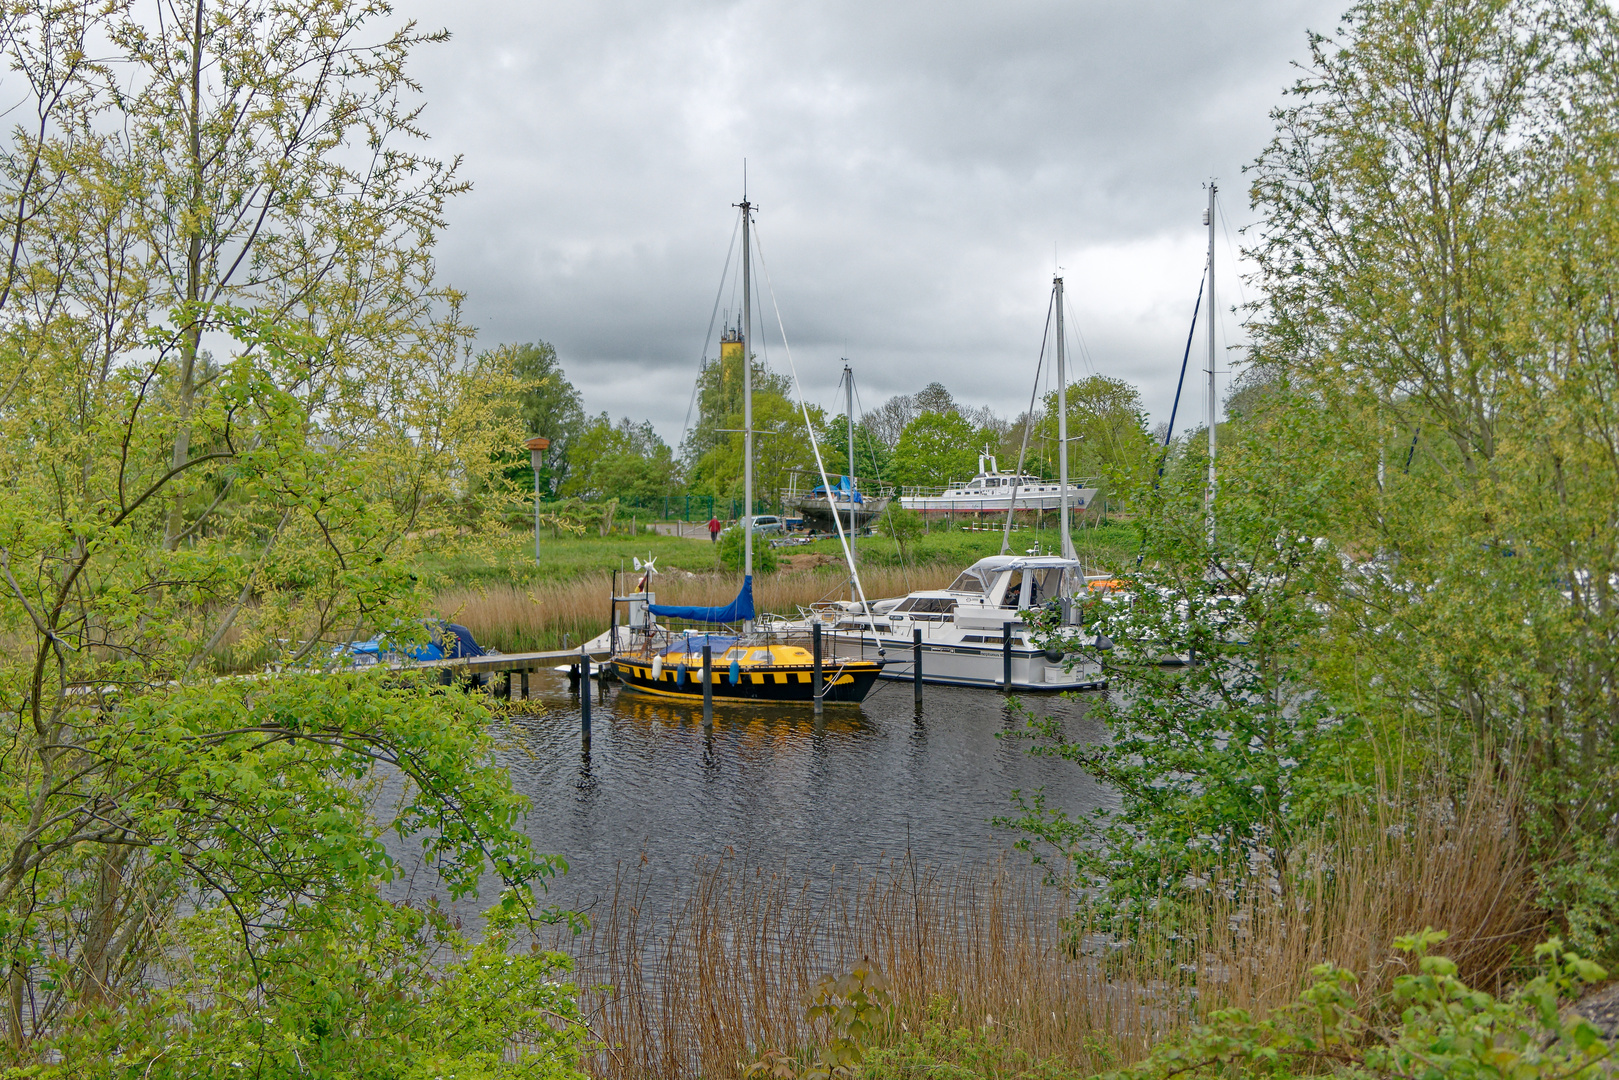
x: 994, y: 492
x: 964, y: 628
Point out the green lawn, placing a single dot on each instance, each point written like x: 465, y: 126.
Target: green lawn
x: 1110, y: 548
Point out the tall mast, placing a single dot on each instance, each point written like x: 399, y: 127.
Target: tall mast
x: 1062, y: 422
x: 1214, y: 404
x: 747, y: 382
x: 848, y: 411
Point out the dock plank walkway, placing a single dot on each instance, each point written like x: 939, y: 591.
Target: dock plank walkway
x: 526, y: 661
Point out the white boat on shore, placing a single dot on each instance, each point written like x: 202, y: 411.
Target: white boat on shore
x: 995, y: 492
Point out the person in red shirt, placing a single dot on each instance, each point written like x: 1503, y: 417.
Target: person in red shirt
x: 713, y: 529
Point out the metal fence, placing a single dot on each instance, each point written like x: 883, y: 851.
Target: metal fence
x: 692, y: 507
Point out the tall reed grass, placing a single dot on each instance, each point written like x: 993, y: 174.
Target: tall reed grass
x: 517, y: 618
x: 701, y: 988
x: 1432, y: 851
x: 702, y: 984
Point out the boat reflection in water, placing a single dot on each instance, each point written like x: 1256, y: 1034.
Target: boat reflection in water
x: 748, y: 720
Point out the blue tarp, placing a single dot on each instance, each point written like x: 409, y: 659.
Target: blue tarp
x: 444, y: 641
x: 737, y: 610
x: 841, y: 491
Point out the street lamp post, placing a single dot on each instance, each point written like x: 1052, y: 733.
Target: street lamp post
x: 536, y: 458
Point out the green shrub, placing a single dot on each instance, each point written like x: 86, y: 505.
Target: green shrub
x: 764, y: 556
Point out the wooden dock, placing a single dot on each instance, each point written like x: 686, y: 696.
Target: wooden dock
x: 511, y: 662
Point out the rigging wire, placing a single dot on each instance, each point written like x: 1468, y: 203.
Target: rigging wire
x: 1109, y: 432
x: 1191, y: 332
x: 718, y: 293
x: 815, y: 444
x: 1028, y: 424
x: 877, y: 480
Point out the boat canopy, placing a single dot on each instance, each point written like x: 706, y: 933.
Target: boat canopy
x: 738, y: 610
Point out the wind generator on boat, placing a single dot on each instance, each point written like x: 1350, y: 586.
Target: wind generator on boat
x: 747, y: 662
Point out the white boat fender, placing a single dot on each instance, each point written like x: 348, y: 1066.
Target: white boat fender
x: 736, y: 671
x: 657, y: 667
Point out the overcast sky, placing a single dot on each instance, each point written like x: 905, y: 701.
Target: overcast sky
x: 919, y: 168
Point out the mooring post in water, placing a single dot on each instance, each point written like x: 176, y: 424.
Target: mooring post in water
x: 815, y: 687
x: 916, y: 664
x: 524, y: 684
x: 708, y: 685
x: 584, y: 696
x: 573, y: 677
x: 1006, y: 657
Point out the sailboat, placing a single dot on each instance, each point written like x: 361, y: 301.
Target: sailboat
x: 754, y: 661
x: 971, y: 634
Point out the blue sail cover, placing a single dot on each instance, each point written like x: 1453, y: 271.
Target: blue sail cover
x: 736, y: 611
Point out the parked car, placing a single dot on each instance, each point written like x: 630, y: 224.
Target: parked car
x: 764, y: 524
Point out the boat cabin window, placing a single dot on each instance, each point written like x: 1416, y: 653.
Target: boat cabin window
x: 1045, y: 584
x: 975, y: 485
x: 928, y: 605
x: 1011, y: 593
x: 967, y: 582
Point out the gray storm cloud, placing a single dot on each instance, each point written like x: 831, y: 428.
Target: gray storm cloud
x: 920, y: 168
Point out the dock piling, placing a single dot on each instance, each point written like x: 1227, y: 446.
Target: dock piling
x: 916, y: 664
x: 584, y: 697
x: 708, y: 685
x: 1006, y: 657
x: 815, y: 634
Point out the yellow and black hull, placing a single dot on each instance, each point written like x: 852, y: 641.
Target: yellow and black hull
x: 845, y: 683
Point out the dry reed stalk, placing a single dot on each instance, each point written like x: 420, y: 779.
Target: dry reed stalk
x: 725, y: 971
x: 1419, y: 855
x: 519, y: 618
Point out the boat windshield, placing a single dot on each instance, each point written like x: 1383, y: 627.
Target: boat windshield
x: 968, y: 582
x: 928, y: 605
x: 1014, y: 586
x: 1046, y: 584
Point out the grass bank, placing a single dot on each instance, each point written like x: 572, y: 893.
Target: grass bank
x: 495, y: 586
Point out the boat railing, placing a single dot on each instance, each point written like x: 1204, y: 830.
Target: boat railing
x: 644, y: 644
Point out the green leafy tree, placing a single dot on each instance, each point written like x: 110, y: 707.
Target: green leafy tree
x: 935, y: 449
x: 1107, y: 428
x: 872, y: 458
x: 549, y: 407
x: 719, y: 400
x: 1438, y: 308
x: 781, y: 452
x: 624, y: 460
x: 189, y: 859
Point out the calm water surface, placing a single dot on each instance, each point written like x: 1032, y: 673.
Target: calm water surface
x: 771, y: 787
